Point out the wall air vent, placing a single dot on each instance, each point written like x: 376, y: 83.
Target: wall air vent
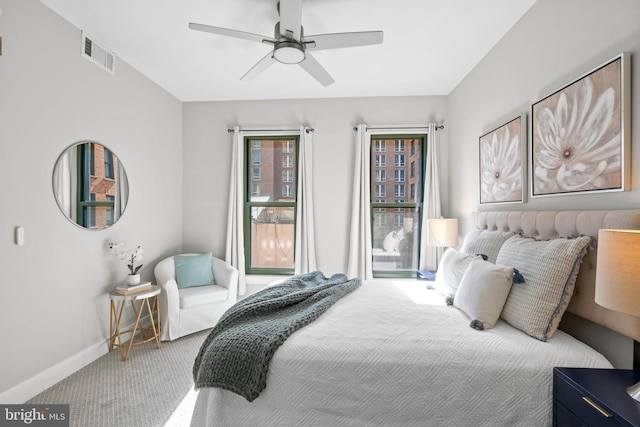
x: 98, y: 54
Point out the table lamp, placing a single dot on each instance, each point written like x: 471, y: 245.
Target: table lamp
x: 442, y: 232
x: 618, y: 278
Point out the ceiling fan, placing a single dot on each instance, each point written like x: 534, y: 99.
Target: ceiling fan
x: 292, y: 46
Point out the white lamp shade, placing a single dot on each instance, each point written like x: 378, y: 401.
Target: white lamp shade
x: 618, y: 271
x: 442, y: 232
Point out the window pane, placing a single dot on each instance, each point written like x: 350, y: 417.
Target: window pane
x: 395, y: 239
x: 273, y: 164
x: 108, y: 164
x: 272, y: 237
x: 97, y: 216
x: 405, y: 169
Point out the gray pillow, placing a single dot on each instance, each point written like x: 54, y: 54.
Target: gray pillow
x: 485, y: 242
x: 549, y: 268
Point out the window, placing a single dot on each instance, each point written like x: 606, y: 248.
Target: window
x: 108, y: 164
x: 270, y: 207
x: 288, y: 147
x: 95, y: 202
x: 381, y: 175
x: 381, y: 160
x: 397, y: 215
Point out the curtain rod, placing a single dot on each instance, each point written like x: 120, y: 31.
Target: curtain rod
x: 307, y: 130
x: 438, y: 127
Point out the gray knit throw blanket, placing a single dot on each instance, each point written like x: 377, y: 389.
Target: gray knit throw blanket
x: 236, y: 354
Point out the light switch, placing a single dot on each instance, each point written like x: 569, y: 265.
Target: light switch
x: 20, y: 236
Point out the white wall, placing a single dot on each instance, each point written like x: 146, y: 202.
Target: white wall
x: 53, y: 290
x: 207, y: 152
x: 553, y: 44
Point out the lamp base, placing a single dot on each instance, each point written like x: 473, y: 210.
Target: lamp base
x: 634, y: 391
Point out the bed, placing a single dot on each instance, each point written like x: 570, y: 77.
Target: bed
x: 380, y: 357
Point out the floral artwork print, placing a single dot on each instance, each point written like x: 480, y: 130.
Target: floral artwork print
x: 577, y: 141
x: 501, y: 164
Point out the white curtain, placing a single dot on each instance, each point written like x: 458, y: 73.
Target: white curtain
x: 65, y: 182
x: 235, y: 231
x: 62, y: 184
x: 430, y: 255
x: 305, y: 250
x: 360, y: 259
x: 122, y: 191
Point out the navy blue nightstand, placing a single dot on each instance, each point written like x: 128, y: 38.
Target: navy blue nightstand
x: 594, y: 397
x: 426, y: 275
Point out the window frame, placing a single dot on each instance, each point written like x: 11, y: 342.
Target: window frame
x: 287, y: 150
x: 381, y: 206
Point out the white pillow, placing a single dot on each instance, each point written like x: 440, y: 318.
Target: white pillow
x: 483, y: 290
x: 450, y: 270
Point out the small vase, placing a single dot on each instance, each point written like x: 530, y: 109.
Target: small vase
x: 133, y: 279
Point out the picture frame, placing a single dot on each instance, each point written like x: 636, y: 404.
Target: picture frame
x: 581, y: 134
x: 502, y: 163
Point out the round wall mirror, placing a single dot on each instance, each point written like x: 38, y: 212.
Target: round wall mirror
x: 90, y: 185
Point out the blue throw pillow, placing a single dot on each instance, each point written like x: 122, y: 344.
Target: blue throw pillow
x: 193, y: 270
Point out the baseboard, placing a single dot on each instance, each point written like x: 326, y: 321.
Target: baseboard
x: 45, y: 379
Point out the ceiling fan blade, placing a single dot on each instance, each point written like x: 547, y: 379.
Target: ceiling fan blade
x: 290, y: 18
x: 313, y: 67
x: 260, y: 66
x: 338, y: 40
x: 232, y: 33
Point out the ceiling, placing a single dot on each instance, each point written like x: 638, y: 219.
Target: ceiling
x: 429, y: 45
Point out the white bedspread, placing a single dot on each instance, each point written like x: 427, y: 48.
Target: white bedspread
x: 379, y: 358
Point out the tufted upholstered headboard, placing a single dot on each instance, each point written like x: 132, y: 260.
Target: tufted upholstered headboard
x: 551, y: 224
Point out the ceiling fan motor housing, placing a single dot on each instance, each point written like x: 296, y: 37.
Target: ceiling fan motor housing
x: 287, y: 50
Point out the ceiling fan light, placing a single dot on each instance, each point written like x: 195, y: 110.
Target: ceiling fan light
x: 288, y: 52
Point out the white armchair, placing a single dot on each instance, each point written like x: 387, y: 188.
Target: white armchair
x: 188, y: 310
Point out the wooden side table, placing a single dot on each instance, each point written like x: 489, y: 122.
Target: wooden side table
x: 139, y: 302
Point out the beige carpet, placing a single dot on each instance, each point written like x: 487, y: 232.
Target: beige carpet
x: 154, y: 387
